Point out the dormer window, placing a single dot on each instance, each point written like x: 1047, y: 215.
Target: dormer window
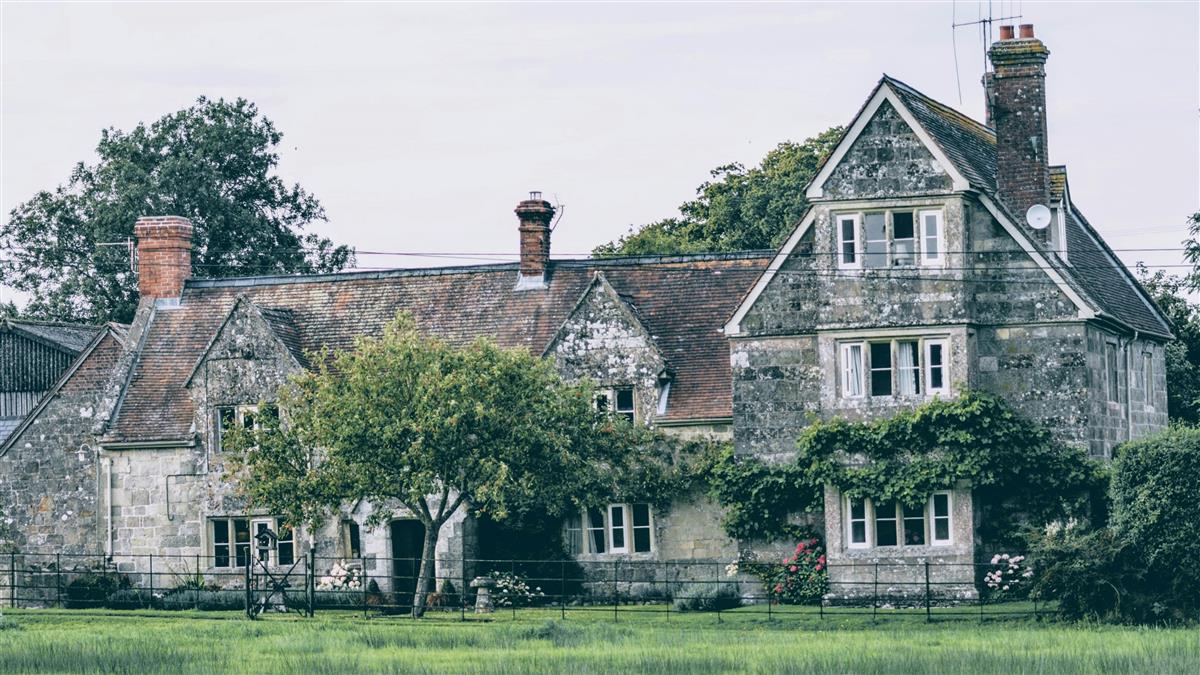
x: 1058, y: 233
x: 891, y: 238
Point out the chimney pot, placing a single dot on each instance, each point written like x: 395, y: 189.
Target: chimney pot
x: 1026, y: 31
x: 164, y: 254
x: 535, y: 215
x: 1006, y: 32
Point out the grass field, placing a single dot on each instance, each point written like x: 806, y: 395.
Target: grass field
x: 538, y: 642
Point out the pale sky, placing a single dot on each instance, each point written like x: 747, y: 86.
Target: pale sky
x: 420, y: 126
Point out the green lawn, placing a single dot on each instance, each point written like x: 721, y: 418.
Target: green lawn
x: 797, y: 641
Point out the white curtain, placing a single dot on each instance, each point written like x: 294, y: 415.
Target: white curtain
x: 907, y: 365
x: 854, y: 372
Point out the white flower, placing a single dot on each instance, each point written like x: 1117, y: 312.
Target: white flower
x: 995, y: 558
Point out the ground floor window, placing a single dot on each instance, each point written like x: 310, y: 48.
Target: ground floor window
x: 617, y: 528
x: 893, y: 524
x: 233, y: 540
x: 351, y: 539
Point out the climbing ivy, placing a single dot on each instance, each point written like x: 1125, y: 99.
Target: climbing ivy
x: 1017, y: 472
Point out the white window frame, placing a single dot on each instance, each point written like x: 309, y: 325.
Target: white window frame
x: 890, y: 231
x: 866, y: 521
x: 612, y: 544
x: 633, y: 528
x: 871, y: 516
x: 887, y: 240
x: 252, y: 522
x: 239, y: 418
x: 940, y: 259
x: 590, y: 528
x: 847, y: 349
x: 872, y: 369
x: 949, y: 517
x: 841, y: 241
x: 927, y: 366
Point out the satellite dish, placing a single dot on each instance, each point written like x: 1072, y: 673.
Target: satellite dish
x: 1038, y: 217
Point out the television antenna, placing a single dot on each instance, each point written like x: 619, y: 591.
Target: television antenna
x: 985, y: 32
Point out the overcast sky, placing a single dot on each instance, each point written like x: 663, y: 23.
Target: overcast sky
x: 420, y: 126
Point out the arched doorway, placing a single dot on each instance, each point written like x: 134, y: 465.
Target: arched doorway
x: 408, y: 536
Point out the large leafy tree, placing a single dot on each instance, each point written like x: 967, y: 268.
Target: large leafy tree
x: 1183, y: 354
x: 739, y: 208
x: 409, y: 421
x: 213, y: 162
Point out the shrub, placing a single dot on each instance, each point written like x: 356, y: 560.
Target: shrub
x: 701, y: 597
x: 1144, y: 567
x: 207, y: 600
x: 92, y: 588
x: 802, y: 577
x: 1154, y: 493
x: 513, y: 591
x: 1010, y: 576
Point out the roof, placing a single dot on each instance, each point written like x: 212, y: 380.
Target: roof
x: 681, y: 300
x: 971, y: 147
x: 68, y: 337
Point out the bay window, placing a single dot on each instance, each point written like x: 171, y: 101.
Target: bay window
x: 890, y: 238
x: 893, y: 524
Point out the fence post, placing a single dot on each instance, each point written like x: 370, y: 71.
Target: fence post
x: 58, y: 579
x: 200, y: 579
x: 562, y: 589
x: 362, y: 561
x: 928, y: 614
x: 249, y: 601
x: 310, y: 566
x: 462, y: 592
x: 875, y: 595
x: 512, y: 570
x: 12, y: 579
x: 614, y: 589
x: 151, y: 581
x: 717, y: 589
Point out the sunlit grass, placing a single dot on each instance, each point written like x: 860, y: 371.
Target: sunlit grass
x: 793, y: 640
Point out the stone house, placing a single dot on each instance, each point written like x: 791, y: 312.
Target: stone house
x: 914, y: 273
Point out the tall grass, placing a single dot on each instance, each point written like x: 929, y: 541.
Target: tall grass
x: 81, y: 642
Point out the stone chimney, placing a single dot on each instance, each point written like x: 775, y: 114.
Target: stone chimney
x: 1016, y: 91
x: 535, y: 215
x: 164, y: 255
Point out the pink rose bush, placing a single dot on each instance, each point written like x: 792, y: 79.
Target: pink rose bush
x: 800, y: 578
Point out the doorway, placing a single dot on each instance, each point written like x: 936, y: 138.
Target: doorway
x: 408, y: 537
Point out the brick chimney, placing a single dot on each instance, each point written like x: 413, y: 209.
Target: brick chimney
x: 1016, y: 91
x: 164, y: 255
x: 535, y: 215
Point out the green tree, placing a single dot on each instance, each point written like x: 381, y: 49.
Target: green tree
x: 1182, y: 354
x: 214, y: 163
x: 738, y: 209
x: 412, y: 420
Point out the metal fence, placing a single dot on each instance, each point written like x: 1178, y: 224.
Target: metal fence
x: 620, y: 587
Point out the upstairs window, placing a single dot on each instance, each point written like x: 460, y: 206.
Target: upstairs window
x: 249, y: 417
x: 896, y: 367
x: 1148, y: 377
x: 891, y: 238
x: 618, y: 401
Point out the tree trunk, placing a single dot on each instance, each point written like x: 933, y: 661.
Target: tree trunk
x: 425, y: 577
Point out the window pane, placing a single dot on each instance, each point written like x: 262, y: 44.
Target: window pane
x: 574, y: 527
x: 616, y: 524
x: 1114, y: 390
x: 625, y: 403
x: 1148, y: 376
x: 602, y: 402
x: 858, y: 532
x: 853, y: 370
x: 876, y: 241
x: 885, y: 525
x: 941, y: 506
x: 941, y: 529
x: 881, y: 369
x: 287, y: 549
x: 353, y: 539
x: 848, y: 238
x: 241, y: 538
x: 220, y: 531
x: 932, y: 244
x: 220, y: 555
x: 937, y: 374
x: 904, y: 239
x: 908, y: 368
x: 914, y: 525
x: 596, y: 530
x: 858, y: 510
x: 641, y: 515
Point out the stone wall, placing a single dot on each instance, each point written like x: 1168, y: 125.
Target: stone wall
x: 886, y: 159
x: 48, y: 479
